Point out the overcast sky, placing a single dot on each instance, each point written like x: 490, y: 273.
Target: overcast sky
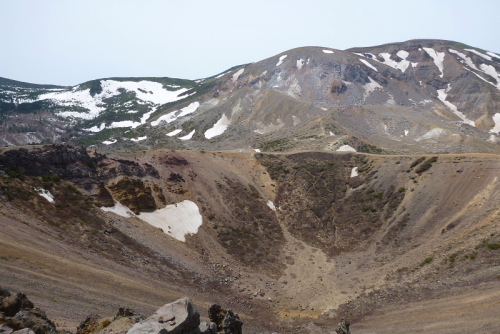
x: 68, y: 42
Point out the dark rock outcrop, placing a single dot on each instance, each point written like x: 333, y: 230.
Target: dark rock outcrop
x: 227, y: 321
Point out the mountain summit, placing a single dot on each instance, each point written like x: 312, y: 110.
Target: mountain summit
x: 418, y: 96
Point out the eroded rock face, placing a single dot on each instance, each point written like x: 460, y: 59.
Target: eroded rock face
x: 134, y: 194
x: 179, y: 317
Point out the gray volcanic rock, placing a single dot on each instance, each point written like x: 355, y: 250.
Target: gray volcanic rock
x: 179, y: 317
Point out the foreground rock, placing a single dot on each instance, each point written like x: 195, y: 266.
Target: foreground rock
x: 179, y: 317
x: 227, y: 322
x: 18, y: 315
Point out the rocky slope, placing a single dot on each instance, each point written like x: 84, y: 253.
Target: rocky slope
x: 291, y: 242
x: 419, y: 96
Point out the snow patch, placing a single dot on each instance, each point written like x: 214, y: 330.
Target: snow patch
x: 237, y: 74
x: 139, y: 138
x: 146, y: 91
x: 368, y: 64
x: 407, y: 132
x: 173, y: 133
x: 174, y: 115
x: 479, y: 54
x: 496, y: 119
x: 467, y: 60
x: 119, y: 209
x: 109, y: 142
x: 491, y: 71
x: 218, y: 127
x: 438, y: 58
x: 45, y: 194
x: 493, y: 54
x: 300, y: 63
x: 371, y: 86
x: 442, y: 95
x: 257, y: 150
x: 188, y: 136
x: 354, y: 172
x: 176, y: 220
x: 402, y: 65
x: 271, y: 206
x: 280, y: 61
x: 328, y: 51
x: 346, y: 148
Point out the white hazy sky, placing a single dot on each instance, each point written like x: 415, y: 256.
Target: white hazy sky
x: 68, y: 42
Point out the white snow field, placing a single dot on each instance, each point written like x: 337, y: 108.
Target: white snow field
x: 109, y: 142
x: 328, y: 51
x: 218, y: 128
x: 176, y: 220
x: 354, y: 172
x: 147, y: 91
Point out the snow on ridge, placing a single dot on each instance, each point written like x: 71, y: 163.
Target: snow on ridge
x: 493, y: 54
x: 479, y: 54
x: 491, y: 71
x: 173, y: 133
x: 496, y: 128
x: 442, y: 95
x: 218, y: 128
x: 438, y: 58
x: 368, y: 64
x: 280, y: 61
x: 346, y: 148
x: 188, y: 136
x: 467, y: 60
x: 147, y: 91
x: 402, y: 65
x: 174, y: 115
x: 328, y: 51
x: 237, y: 74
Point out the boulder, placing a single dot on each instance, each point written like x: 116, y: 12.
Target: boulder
x: 208, y: 328
x: 89, y: 325
x: 4, y: 329
x: 343, y: 327
x: 34, y: 319
x: 179, y: 317
x: 226, y: 321
x: 10, y: 305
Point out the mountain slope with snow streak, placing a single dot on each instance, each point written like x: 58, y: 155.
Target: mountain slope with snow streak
x: 374, y: 99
